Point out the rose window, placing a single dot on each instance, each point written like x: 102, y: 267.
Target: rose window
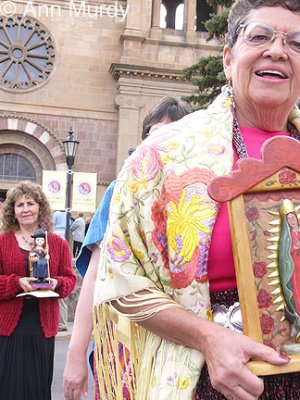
x: 27, y: 53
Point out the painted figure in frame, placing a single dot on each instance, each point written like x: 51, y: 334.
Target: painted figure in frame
x: 289, y: 266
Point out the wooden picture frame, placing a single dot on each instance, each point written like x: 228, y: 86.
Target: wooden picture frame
x: 259, y: 194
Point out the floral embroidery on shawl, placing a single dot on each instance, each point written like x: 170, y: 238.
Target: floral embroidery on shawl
x: 183, y: 216
x: 118, y: 248
x: 146, y: 164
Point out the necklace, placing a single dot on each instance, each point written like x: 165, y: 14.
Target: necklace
x: 238, y: 140
x: 30, y: 243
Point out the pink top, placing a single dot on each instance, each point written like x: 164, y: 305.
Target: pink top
x: 220, y: 265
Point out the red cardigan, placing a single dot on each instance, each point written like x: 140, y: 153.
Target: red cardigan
x: 12, y: 267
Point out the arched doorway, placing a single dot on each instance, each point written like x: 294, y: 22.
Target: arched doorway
x: 26, y: 149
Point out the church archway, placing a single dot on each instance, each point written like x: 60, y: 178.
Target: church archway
x: 29, y: 146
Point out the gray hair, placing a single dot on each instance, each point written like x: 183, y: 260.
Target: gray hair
x: 241, y: 8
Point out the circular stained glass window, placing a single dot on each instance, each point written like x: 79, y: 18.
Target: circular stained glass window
x: 27, y: 53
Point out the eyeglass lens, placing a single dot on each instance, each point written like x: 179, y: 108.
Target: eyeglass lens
x: 258, y: 34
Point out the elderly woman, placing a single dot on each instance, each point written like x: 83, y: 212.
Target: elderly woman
x: 167, y: 256
x: 28, y: 325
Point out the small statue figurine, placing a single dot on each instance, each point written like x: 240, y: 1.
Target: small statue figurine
x: 39, y: 261
x: 289, y: 269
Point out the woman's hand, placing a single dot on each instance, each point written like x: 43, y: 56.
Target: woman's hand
x: 54, y: 282
x: 226, y: 353
x: 75, y: 376
x: 25, y: 284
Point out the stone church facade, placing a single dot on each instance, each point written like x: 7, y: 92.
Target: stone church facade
x: 96, y: 66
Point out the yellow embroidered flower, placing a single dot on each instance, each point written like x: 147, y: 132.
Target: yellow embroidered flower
x: 209, y: 314
x: 173, y: 145
x: 116, y: 199
x: 185, y: 221
x: 154, y: 381
x: 165, y: 158
x: 133, y: 186
x: 183, y: 383
x: 207, y: 133
x: 143, y: 182
x: 228, y: 102
x: 110, y: 273
x: 215, y: 149
x: 139, y: 255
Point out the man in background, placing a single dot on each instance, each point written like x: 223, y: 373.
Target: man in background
x: 59, y: 228
x: 78, y: 232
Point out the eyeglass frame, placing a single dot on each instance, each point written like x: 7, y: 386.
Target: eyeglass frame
x: 242, y: 25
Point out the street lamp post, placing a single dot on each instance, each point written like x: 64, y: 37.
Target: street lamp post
x: 70, y: 146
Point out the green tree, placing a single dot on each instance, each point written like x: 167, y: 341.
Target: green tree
x: 207, y: 74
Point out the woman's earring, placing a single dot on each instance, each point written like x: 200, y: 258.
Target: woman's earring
x: 228, y: 91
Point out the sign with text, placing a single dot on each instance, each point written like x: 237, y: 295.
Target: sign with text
x: 84, y: 191
x: 54, y: 187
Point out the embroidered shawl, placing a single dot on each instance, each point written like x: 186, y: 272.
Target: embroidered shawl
x: 159, y: 232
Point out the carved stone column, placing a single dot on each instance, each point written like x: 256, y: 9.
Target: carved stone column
x: 134, y: 18
x: 190, y: 20
x: 129, y: 132
x: 156, y: 31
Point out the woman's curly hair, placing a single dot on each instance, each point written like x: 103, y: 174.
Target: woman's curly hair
x: 30, y: 189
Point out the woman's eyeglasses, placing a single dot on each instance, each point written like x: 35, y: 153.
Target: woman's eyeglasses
x: 258, y: 34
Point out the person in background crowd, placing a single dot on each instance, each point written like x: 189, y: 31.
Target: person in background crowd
x: 59, y: 228
x: 59, y: 223
x: 88, y: 221
x: 166, y: 257
x: 1, y: 210
x: 28, y: 325
x: 77, y: 229
x: 169, y: 109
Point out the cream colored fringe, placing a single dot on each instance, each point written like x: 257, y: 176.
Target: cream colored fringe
x: 112, y: 328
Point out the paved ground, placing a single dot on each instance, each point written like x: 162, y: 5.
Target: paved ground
x: 61, y: 347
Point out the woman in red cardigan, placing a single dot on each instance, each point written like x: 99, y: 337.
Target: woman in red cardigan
x: 28, y: 324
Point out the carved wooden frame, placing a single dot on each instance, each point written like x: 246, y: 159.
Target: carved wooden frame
x: 264, y: 182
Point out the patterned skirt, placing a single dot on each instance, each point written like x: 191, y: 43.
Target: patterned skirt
x: 277, y: 387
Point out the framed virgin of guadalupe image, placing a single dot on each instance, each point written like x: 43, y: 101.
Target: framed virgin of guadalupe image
x: 264, y: 209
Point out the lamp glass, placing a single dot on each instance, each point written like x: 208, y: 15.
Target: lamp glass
x: 70, y: 147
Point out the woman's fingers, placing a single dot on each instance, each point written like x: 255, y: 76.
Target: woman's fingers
x: 75, y: 376
x: 266, y: 353
x: 242, y: 386
x: 54, y: 282
x: 75, y: 393
x: 25, y: 283
x: 239, y: 383
x: 227, y: 356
